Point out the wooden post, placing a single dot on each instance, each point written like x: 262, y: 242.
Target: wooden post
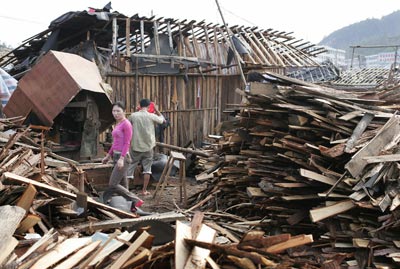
x: 115, y: 35
x: 128, y: 62
x: 232, y: 45
x: 42, y: 129
x: 81, y: 202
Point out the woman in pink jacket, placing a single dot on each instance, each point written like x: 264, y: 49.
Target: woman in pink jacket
x: 122, y: 135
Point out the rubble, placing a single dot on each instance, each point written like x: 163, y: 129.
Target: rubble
x: 307, y: 159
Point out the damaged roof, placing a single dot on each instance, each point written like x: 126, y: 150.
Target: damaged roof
x: 190, y: 43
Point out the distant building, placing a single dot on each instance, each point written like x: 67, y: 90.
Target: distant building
x: 383, y: 59
x: 335, y: 56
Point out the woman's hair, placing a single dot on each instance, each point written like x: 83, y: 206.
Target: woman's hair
x: 119, y: 104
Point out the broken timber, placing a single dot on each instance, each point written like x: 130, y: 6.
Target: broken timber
x: 90, y: 201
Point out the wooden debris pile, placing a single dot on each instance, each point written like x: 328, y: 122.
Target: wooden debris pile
x: 307, y: 159
x: 45, y: 219
x: 99, y: 250
x: 48, y: 223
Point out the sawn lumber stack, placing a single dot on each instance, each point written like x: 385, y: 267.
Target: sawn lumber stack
x: 301, y: 158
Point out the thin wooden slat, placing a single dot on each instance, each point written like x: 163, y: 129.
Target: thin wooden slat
x: 60, y: 251
x: 332, y: 210
x: 78, y: 256
x: 131, y: 249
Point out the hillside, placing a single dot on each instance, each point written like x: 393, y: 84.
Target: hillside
x: 384, y: 31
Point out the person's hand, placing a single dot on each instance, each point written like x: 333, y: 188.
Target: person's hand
x: 156, y: 110
x: 106, y: 159
x: 120, y: 163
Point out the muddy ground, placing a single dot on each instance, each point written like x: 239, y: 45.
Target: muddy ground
x: 169, y: 199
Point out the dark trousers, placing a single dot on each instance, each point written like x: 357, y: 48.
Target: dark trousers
x: 118, y: 182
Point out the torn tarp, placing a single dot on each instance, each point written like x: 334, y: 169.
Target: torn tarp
x: 7, y: 86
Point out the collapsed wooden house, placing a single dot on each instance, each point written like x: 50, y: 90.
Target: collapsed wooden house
x: 188, y: 68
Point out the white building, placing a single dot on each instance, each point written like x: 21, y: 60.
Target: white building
x: 383, y: 59
x: 336, y: 56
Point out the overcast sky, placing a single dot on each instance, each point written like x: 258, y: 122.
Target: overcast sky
x: 310, y: 20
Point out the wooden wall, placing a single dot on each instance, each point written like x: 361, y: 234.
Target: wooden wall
x: 194, y: 108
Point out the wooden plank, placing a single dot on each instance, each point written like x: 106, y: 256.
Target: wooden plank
x: 382, y: 158
x: 223, y: 231
x: 317, y: 177
x: 267, y: 89
x: 292, y: 242
x: 182, y: 251
x: 60, y: 251
x: 332, y: 210
x: 255, y: 192
x: 198, y: 255
x: 130, y: 251
x: 26, y: 199
x: 361, y: 242
x: 227, y: 250
x: 212, y: 263
x: 108, y: 247
x: 258, y: 240
x: 300, y: 197
x: 7, y: 247
x: 27, y: 223
x: 196, y: 223
x: 10, y: 219
x: 138, y: 259
x: 388, y: 133
x: 291, y: 185
x: 27, y: 165
x: 90, y: 200
x: 78, y: 256
x: 395, y: 202
x: 42, y: 241
x: 204, y: 176
x: 241, y: 262
x: 358, y: 131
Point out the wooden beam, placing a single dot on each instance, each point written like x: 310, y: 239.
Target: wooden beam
x: 186, y: 150
x: 60, y: 192
x: 122, y: 223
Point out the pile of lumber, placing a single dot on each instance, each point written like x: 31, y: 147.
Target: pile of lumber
x: 48, y: 221
x: 308, y: 159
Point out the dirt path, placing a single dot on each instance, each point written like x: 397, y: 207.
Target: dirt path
x: 169, y: 198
